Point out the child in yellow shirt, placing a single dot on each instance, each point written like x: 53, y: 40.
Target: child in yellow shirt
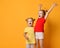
x: 29, y: 33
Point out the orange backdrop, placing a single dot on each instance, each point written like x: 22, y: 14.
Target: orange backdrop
x: 12, y: 22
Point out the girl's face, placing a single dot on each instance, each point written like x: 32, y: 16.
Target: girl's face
x: 30, y: 22
x: 40, y: 14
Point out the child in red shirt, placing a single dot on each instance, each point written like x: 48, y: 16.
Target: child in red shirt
x: 39, y: 26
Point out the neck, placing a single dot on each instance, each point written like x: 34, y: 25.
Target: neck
x: 30, y: 26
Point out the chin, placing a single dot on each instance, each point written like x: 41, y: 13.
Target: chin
x: 38, y: 17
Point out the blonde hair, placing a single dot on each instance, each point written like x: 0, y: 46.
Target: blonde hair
x: 30, y: 18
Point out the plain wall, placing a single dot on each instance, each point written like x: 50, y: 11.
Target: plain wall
x: 12, y: 22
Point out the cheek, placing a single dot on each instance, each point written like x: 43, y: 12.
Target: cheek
x: 27, y: 22
x: 31, y: 23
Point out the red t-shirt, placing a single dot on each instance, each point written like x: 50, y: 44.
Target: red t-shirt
x: 39, y: 27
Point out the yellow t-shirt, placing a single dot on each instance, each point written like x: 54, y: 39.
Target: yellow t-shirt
x: 30, y: 33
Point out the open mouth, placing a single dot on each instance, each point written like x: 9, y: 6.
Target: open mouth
x: 29, y: 23
x: 39, y: 16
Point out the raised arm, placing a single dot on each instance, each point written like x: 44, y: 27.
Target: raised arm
x: 50, y: 10
x: 40, y: 7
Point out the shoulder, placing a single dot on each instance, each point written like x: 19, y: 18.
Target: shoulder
x: 32, y: 28
x: 26, y: 29
x: 44, y: 19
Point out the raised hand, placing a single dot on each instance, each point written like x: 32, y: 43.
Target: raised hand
x: 54, y: 4
x: 40, y: 6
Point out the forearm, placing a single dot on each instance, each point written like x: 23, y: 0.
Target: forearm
x: 52, y: 7
x: 26, y: 36
x: 47, y: 13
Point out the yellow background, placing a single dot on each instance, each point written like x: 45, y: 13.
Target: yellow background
x: 12, y: 22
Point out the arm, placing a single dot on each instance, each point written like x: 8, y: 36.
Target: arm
x: 26, y: 36
x: 50, y: 10
x: 40, y: 7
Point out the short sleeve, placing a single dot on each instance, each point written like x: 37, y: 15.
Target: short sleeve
x: 25, y: 30
x: 44, y: 20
